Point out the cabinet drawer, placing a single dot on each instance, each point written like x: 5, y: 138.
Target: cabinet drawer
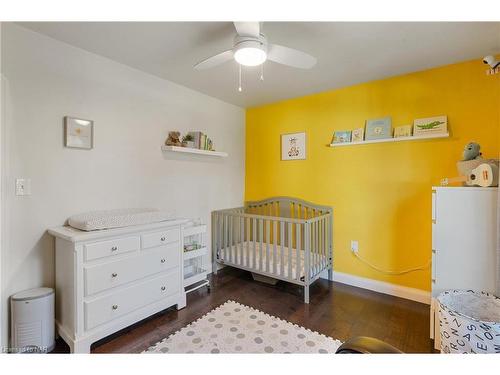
x: 160, y: 238
x: 109, y: 275
x: 107, y: 308
x: 103, y: 249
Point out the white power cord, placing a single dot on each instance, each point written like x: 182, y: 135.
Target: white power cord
x: 420, y: 268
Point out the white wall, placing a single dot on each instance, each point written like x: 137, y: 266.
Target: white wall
x: 133, y: 112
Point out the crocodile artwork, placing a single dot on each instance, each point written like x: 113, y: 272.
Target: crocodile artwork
x: 430, y: 125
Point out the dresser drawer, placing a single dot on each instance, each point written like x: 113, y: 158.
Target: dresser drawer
x: 109, y: 275
x: 107, y: 308
x: 103, y: 249
x: 160, y: 238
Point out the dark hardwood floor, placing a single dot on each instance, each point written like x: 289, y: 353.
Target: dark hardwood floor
x: 336, y: 310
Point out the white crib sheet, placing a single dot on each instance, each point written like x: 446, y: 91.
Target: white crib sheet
x: 238, y: 257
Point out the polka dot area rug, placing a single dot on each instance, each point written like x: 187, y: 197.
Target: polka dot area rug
x: 236, y: 328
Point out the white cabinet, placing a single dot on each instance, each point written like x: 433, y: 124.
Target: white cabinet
x: 464, y: 242
x: 107, y: 280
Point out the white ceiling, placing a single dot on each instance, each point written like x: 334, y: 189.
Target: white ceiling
x: 348, y: 53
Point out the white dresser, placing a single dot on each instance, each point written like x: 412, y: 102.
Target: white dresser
x: 464, y: 243
x: 109, y: 279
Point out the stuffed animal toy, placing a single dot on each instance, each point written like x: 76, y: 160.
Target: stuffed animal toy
x: 173, y: 139
x: 471, y: 151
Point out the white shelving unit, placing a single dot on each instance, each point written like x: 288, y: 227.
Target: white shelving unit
x: 196, y: 151
x: 399, y: 139
x: 194, y: 251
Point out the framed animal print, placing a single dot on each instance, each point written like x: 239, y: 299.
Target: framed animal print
x: 293, y: 146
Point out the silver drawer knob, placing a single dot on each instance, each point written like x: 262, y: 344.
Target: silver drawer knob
x: 115, y: 307
x: 163, y: 238
x: 163, y: 260
x: 114, y: 274
x: 163, y: 288
x: 114, y: 248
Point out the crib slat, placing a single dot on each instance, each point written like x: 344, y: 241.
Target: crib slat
x: 322, y: 259
x: 297, y: 251
x: 275, y: 240
x: 307, y: 254
x: 320, y: 239
x: 320, y: 246
x: 223, y: 237
x: 261, y: 247
x: 324, y: 242
x: 242, y: 244
x: 268, y: 239
x: 247, y: 223
x: 254, y: 265
x: 236, y: 238
x: 290, y: 243
x: 240, y: 241
x: 231, y: 218
x: 318, y: 243
x: 282, y: 243
x: 315, y: 247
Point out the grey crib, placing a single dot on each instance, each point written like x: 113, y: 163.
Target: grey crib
x: 281, y: 237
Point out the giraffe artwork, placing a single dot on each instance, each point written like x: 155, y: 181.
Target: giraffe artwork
x: 293, y: 146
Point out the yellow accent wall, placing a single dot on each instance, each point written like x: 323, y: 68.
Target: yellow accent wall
x: 381, y: 193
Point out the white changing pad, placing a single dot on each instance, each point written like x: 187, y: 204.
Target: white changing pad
x: 124, y: 217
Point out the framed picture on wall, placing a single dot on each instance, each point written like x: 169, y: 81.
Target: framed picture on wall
x: 78, y: 133
x: 402, y: 131
x: 293, y: 146
x: 431, y: 125
x: 342, y: 136
x: 379, y: 128
x: 358, y: 135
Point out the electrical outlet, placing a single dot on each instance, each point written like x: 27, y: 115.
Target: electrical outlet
x: 354, y: 246
x: 23, y: 186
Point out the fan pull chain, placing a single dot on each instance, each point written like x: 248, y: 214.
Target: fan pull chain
x: 239, y: 87
x: 262, y: 72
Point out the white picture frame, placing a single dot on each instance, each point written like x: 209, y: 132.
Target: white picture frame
x: 293, y: 146
x: 78, y: 133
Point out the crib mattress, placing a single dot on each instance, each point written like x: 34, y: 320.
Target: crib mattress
x: 243, y: 253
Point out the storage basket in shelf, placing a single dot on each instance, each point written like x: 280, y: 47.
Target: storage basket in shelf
x: 469, y: 322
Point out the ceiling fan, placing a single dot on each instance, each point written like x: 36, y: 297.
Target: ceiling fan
x: 250, y: 48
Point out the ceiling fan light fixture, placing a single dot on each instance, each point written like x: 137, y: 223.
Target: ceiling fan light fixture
x: 250, y: 51
x: 250, y: 56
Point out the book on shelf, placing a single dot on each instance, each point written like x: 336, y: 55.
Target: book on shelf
x: 196, y: 138
x: 201, y: 141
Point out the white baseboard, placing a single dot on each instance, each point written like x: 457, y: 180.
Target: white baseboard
x: 413, y: 294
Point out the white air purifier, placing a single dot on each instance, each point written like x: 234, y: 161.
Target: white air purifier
x: 32, y: 321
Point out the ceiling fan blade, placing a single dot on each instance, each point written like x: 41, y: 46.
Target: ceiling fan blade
x: 248, y: 29
x: 215, y: 60
x: 289, y: 56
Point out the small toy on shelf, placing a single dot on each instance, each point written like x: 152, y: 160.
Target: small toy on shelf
x: 471, y: 151
x: 173, y: 139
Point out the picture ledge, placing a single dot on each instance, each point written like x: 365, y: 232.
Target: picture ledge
x: 196, y: 151
x: 399, y: 139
